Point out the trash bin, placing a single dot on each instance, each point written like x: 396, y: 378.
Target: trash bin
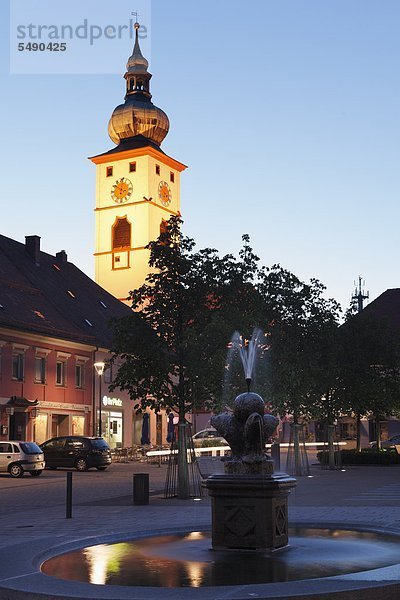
x: 141, y: 488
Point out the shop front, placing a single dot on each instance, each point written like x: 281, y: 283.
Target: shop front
x: 53, y: 419
x: 112, y: 421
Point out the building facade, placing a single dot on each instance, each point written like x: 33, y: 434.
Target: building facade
x: 54, y: 325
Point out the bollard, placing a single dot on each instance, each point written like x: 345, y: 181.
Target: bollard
x: 276, y: 455
x: 141, y: 488
x: 69, y: 496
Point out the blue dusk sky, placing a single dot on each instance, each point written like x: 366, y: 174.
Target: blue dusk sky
x: 285, y: 111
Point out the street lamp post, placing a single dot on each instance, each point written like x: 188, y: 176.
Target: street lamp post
x: 99, y: 366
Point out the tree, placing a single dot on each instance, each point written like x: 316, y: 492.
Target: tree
x: 173, y: 347
x: 300, y: 340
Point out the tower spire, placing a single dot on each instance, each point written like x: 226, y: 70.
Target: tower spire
x: 137, y: 76
x: 138, y: 116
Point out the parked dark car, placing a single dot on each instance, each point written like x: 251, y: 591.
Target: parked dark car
x: 77, y: 451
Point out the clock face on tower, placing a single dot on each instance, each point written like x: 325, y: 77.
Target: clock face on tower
x: 164, y: 193
x: 121, y: 190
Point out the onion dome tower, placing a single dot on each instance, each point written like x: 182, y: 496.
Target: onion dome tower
x: 138, y: 115
x: 137, y: 184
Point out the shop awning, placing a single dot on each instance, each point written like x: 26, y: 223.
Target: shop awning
x: 21, y: 402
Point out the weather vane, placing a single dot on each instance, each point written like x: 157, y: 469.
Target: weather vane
x: 136, y: 15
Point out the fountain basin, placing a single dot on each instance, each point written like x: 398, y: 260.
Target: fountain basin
x: 325, y: 558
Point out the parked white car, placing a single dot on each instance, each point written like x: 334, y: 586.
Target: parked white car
x: 17, y: 457
x: 209, y: 435
x: 392, y: 442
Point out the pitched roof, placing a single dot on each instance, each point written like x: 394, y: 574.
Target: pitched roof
x: 51, y: 296
x: 386, y: 308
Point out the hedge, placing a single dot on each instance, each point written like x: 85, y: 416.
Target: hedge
x: 365, y: 457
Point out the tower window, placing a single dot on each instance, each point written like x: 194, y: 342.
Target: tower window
x: 157, y: 169
x: 121, y: 234
x: 132, y: 167
x: 172, y: 177
x: 163, y: 226
x: 109, y: 171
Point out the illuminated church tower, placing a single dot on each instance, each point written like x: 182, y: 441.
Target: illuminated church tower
x: 137, y: 184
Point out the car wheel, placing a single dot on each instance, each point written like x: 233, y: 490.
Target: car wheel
x: 81, y: 464
x: 16, y: 471
x: 35, y: 473
x: 101, y: 468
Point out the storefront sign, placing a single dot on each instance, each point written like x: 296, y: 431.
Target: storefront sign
x: 107, y: 401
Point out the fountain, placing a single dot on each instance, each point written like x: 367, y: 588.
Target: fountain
x: 249, y: 501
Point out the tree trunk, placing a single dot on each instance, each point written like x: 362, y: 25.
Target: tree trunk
x: 358, y: 432
x: 296, y: 446
x: 331, y: 447
x: 378, y: 432
x: 183, y: 468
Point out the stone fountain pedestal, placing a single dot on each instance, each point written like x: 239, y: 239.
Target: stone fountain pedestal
x: 249, y: 511
x: 249, y: 502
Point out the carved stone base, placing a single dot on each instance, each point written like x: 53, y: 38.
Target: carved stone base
x: 249, y: 511
x: 263, y: 467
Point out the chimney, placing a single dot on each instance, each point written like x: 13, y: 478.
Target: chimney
x: 32, y: 247
x: 62, y: 257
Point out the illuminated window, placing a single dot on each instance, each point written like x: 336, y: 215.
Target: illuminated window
x: 79, y: 375
x: 18, y: 366
x: 61, y: 370
x: 132, y: 167
x: 109, y: 171
x: 70, y: 293
x: 163, y: 227
x: 157, y: 169
x: 40, y: 369
x: 172, y: 177
x: 121, y: 234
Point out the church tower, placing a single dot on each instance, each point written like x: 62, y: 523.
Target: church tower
x: 137, y: 184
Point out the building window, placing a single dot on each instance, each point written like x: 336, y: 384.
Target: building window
x: 157, y: 169
x: 109, y: 171
x: 163, y: 227
x: 61, y: 367
x: 132, y: 167
x: 18, y: 366
x: 172, y: 177
x: 121, y: 234
x: 79, y: 376
x: 40, y: 369
x: 108, y: 373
